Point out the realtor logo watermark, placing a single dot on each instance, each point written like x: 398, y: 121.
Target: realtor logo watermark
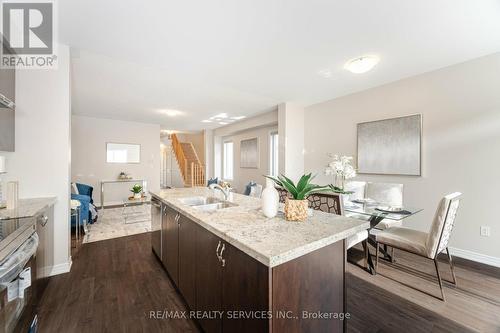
x: 28, y: 35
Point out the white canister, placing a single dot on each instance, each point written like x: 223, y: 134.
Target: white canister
x: 270, y: 199
x: 12, y: 194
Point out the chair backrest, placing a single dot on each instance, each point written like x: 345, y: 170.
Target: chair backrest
x: 358, y: 188
x: 255, y: 191
x: 442, y: 225
x: 213, y: 181
x: 325, y: 202
x: 385, y: 193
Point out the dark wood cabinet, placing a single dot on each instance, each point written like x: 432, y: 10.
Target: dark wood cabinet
x: 230, y: 281
x: 245, y: 288
x: 208, y: 279
x: 236, y: 293
x: 187, y: 260
x: 170, y: 246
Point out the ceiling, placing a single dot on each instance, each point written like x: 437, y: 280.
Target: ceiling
x: 132, y: 60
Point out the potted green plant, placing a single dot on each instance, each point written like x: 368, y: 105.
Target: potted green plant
x: 137, y: 190
x: 296, y: 208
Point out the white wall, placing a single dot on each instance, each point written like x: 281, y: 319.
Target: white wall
x: 41, y: 162
x: 259, y: 126
x: 89, y: 138
x: 460, y: 105
x: 242, y: 176
x: 291, y: 140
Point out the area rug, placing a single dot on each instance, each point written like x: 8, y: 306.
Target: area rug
x: 119, y: 222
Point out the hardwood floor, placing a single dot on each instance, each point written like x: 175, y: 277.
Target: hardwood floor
x: 403, y: 296
x: 114, y: 284
x: 112, y: 287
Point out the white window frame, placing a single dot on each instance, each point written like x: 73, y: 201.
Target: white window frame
x: 225, y: 162
x: 273, y: 153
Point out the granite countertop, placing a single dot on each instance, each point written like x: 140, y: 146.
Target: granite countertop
x: 27, y: 208
x: 272, y: 241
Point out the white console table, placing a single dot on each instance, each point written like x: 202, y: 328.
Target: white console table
x: 143, y: 181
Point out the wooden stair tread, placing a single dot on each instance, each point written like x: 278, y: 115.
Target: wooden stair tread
x: 186, y: 151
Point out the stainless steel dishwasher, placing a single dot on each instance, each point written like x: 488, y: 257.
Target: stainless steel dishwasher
x: 156, y: 226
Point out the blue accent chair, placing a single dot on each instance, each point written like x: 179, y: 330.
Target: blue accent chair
x: 248, y: 187
x: 85, y: 198
x: 213, y: 181
x: 85, y: 190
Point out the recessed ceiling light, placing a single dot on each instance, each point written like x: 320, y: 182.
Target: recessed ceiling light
x: 222, y: 123
x: 171, y: 113
x: 361, y: 64
x: 238, y: 118
x: 206, y: 121
x: 221, y: 115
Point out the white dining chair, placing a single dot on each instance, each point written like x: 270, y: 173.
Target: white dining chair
x: 386, y: 194
x: 426, y: 244
x: 358, y: 189
x: 256, y: 191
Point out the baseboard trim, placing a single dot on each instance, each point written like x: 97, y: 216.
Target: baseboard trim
x: 474, y: 256
x: 56, y: 269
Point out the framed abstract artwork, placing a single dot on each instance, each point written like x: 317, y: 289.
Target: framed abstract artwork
x: 390, y: 146
x: 249, y: 153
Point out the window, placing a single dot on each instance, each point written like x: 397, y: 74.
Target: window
x: 273, y: 150
x: 123, y: 153
x: 228, y: 161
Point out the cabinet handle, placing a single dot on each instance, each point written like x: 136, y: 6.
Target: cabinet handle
x: 43, y: 220
x: 217, y: 251
x: 222, y: 260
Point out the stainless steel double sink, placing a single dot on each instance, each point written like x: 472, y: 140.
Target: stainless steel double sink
x: 208, y: 204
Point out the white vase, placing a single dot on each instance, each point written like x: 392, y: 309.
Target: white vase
x: 137, y: 195
x: 270, y: 199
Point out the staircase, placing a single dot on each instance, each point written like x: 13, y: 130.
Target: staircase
x: 193, y: 172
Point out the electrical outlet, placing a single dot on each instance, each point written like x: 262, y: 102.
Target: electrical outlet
x: 485, y: 231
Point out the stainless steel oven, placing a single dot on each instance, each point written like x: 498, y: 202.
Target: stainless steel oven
x: 18, y: 245
x: 156, y: 226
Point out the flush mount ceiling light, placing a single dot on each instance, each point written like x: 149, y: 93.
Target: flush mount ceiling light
x: 220, y: 116
x: 362, y: 64
x: 238, y: 118
x: 206, y: 121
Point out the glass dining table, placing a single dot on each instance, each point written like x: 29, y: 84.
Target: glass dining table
x: 375, y: 213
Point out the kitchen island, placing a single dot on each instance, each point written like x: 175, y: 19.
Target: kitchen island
x: 239, y: 271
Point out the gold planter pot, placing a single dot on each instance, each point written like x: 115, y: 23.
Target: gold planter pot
x: 296, y: 210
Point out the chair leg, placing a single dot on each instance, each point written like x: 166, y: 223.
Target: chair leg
x: 451, y: 267
x: 366, y: 255
x: 439, y: 280
x: 392, y: 255
x: 376, y: 258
